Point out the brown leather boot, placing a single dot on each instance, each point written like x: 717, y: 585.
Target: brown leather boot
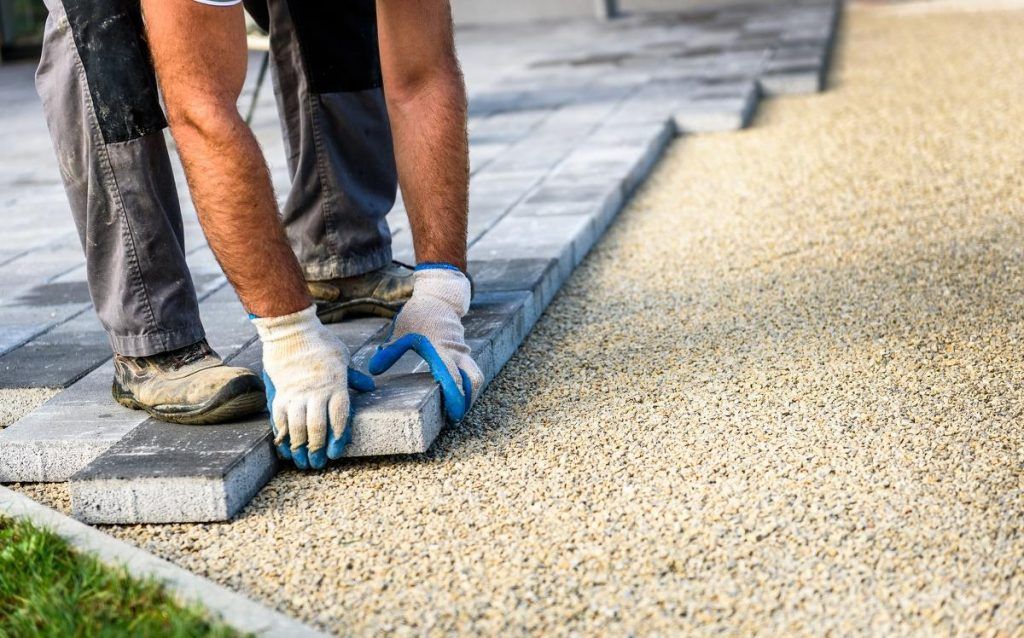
x: 190, y: 385
x: 380, y: 293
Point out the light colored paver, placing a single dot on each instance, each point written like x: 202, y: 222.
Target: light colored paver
x: 225, y: 605
x: 782, y: 396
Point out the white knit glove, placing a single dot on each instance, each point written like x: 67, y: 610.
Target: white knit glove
x: 305, y: 369
x: 430, y: 324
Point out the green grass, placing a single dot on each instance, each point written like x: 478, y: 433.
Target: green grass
x: 49, y: 589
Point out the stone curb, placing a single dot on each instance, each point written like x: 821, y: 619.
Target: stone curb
x: 223, y: 604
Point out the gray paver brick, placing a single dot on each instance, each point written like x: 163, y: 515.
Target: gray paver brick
x: 728, y: 110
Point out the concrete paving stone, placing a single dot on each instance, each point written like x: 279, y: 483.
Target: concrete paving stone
x: 792, y: 82
x: 490, y: 102
x: 584, y: 115
x: 506, y: 127
x: 504, y: 319
x: 401, y: 416
x: 57, y: 358
x: 227, y: 325
x: 481, y: 154
x: 52, y: 365
x: 398, y: 219
x: 51, y: 294
x: 533, y: 237
x: 15, y: 335
x: 796, y: 54
x: 67, y: 432
x: 545, y: 208
x: 164, y: 472
x: 43, y: 264
x: 715, y: 112
x: 631, y: 134
x: 538, y: 154
x: 582, y: 190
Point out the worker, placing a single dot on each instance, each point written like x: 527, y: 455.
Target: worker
x: 341, y: 102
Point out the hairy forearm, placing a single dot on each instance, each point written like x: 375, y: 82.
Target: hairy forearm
x: 200, y: 58
x: 426, y: 99
x: 432, y: 155
x: 234, y: 198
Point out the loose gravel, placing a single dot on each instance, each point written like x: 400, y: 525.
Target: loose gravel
x: 783, y: 395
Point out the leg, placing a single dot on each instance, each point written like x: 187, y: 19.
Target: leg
x: 426, y: 100
x: 328, y: 86
x: 101, y: 105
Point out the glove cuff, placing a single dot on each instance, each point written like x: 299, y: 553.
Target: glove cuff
x: 448, y: 285
x: 272, y: 329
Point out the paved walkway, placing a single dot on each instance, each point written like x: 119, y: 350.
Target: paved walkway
x: 783, y: 395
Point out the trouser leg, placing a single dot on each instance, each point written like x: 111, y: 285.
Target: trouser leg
x: 326, y: 71
x: 101, y: 105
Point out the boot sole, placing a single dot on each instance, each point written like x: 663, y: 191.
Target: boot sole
x: 335, y: 312
x: 218, y: 409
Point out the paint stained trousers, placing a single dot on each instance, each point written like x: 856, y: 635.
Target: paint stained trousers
x: 102, y: 107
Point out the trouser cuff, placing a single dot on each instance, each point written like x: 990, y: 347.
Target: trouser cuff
x: 151, y: 343
x: 338, y: 267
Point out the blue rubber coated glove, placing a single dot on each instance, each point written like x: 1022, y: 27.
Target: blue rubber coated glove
x: 430, y: 324
x: 307, y: 375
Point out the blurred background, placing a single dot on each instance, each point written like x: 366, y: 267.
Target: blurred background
x: 21, y: 21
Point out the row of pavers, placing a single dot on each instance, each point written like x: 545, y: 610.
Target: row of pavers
x: 557, y: 146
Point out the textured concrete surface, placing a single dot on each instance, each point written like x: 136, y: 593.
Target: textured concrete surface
x: 782, y: 396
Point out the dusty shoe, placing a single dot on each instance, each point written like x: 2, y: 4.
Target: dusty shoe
x: 189, y: 385
x: 380, y: 293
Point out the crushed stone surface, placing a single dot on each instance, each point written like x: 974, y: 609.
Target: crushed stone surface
x: 783, y: 395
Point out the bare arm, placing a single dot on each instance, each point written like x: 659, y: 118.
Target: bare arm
x: 426, y: 100
x: 199, y: 52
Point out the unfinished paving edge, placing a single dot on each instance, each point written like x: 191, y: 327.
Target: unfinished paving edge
x: 223, y: 604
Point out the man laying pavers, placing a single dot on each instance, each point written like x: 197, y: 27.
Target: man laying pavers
x: 100, y: 98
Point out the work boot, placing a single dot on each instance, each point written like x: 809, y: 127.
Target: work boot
x: 189, y: 385
x: 380, y: 293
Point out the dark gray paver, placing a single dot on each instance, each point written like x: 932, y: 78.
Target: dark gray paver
x: 59, y: 356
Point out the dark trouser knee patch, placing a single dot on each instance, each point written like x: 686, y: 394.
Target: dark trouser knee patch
x: 110, y: 40
x: 338, y: 41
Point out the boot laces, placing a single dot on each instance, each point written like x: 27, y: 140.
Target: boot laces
x: 182, y: 357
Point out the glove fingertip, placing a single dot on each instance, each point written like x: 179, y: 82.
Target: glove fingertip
x: 284, y: 451
x: 300, y: 457
x: 336, y: 445
x: 318, y: 459
x: 467, y: 384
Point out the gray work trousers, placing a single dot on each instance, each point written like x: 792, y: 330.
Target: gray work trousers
x: 102, y: 107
